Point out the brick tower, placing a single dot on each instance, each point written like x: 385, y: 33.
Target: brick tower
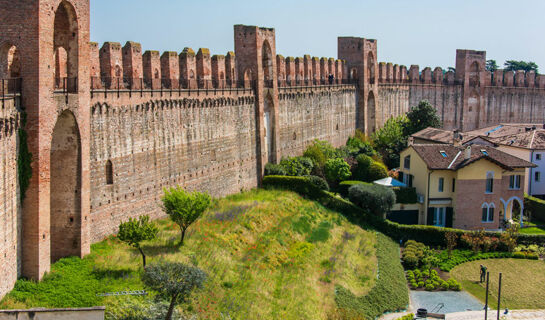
x: 255, y: 49
x: 361, y: 59
x: 470, y: 71
x: 52, y: 38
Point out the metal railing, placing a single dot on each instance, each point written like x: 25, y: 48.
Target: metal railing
x: 66, y: 85
x: 10, y: 87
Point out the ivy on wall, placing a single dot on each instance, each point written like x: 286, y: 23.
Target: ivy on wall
x: 24, y: 158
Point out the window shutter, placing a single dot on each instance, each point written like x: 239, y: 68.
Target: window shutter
x: 450, y: 214
x: 430, y: 216
x: 400, y: 176
x: 411, y: 180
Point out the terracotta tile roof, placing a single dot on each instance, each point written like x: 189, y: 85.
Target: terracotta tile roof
x: 522, y: 135
x: 434, y: 135
x: 450, y: 157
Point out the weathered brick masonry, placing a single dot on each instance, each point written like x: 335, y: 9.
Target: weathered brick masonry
x: 110, y: 126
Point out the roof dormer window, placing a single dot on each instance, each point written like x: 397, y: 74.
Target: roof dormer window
x: 443, y: 153
x: 484, y: 152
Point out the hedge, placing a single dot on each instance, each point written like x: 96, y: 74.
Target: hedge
x: 390, y: 292
x: 429, y: 235
x: 535, y: 206
x: 345, y: 185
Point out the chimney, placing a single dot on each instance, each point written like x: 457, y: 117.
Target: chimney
x: 456, y: 138
x: 467, y: 154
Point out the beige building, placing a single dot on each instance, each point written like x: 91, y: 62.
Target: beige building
x: 468, y: 187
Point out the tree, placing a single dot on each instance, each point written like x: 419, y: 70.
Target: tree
x: 174, y: 281
x: 297, y: 166
x: 184, y: 207
x: 337, y: 170
x: 375, y: 199
x: 514, y: 65
x: 377, y: 171
x: 134, y: 231
x: 491, y: 65
x: 420, y: 117
x: 390, y: 140
x: 320, y: 151
x: 451, y: 239
x: 361, y: 170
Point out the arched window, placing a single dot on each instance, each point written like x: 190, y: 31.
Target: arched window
x: 65, y: 35
x: 156, y: 74
x: 371, y: 68
x: 10, y: 64
x: 109, y: 172
x: 489, y: 182
x: 487, y: 212
x: 474, y: 74
x: 267, y: 64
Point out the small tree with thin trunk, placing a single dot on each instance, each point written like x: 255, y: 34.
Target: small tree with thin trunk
x: 184, y: 207
x: 451, y: 239
x: 173, y: 281
x: 134, y: 231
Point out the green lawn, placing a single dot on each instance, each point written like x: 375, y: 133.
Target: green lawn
x: 523, y: 282
x: 532, y: 230
x: 268, y: 254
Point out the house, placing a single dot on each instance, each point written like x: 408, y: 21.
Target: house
x: 466, y: 187
x: 526, y: 141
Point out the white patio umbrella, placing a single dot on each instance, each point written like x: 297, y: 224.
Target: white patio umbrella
x: 390, y: 182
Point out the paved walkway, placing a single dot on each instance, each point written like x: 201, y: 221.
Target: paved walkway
x: 479, y: 315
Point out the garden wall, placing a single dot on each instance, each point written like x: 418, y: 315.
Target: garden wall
x: 94, y: 313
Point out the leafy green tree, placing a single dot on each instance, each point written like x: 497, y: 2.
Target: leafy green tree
x: 320, y: 151
x: 375, y: 199
x: 183, y: 207
x: 514, y: 65
x: 390, y: 140
x: 272, y: 169
x: 173, y: 281
x: 491, y: 65
x: 297, y: 166
x: 420, y: 117
x: 337, y: 170
x: 361, y: 170
x: 134, y: 231
x: 376, y: 171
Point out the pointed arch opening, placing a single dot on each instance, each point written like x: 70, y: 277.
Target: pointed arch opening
x: 370, y: 68
x: 267, y: 64
x: 474, y: 71
x: 65, y: 188
x: 268, y: 121
x: 371, y: 113
x: 109, y: 172
x: 65, y: 36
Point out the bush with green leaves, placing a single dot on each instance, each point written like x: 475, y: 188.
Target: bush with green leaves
x: 136, y: 308
x: 390, y: 140
x: 297, y: 166
x: 405, y: 195
x: 377, y: 171
x: 355, y: 147
x: 319, y: 152
x: 318, y: 182
x: 375, y: 199
x: 173, y: 281
x: 345, y: 185
x: 134, y: 231
x: 184, y: 207
x: 272, y: 169
x: 336, y: 170
x: 409, y: 316
x: 420, y: 117
x: 361, y: 170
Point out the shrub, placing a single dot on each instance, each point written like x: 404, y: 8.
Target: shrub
x: 444, y: 285
x: 361, y: 170
x: 319, y: 152
x: 356, y: 146
x: 519, y: 255
x: 430, y: 287
x: 377, y: 171
x: 420, y: 284
x: 409, y: 316
x: 535, y: 206
x: 318, y: 182
x: 297, y: 166
x: 375, y: 199
x: 410, y: 260
x: 134, y: 231
x: 405, y: 195
x: 272, y: 169
x: 345, y: 185
x: 336, y: 170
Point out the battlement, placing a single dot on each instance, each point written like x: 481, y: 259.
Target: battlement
x: 308, y: 71
x: 390, y: 73
x: 116, y: 67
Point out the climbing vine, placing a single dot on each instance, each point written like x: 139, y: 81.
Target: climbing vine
x: 24, y: 159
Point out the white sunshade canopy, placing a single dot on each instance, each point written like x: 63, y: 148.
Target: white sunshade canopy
x: 390, y: 182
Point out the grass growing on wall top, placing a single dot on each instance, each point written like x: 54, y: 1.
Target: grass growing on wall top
x: 269, y: 255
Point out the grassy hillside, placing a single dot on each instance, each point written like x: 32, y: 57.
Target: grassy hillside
x: 268, y: 254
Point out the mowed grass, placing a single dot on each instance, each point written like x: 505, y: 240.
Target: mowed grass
x: 268, y: 255
x: 523, y: 282
x: 532, y: 230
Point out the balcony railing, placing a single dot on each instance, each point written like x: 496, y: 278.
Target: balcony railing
x: 10, y: 87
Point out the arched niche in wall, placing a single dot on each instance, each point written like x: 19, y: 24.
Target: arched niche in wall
x: 370, y: 68
x: 65, y: 35
x: 371, y: 113
x: 267, y: 63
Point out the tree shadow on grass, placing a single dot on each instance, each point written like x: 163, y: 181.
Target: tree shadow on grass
x: 106, y: 273
x: 170, y: 247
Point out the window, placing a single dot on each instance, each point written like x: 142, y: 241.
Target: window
x: 514, y: 182
x: 484, y: 152
x: 408, y: 180
x: 443, y: 153
x: 407, y: 162
x: 439, y: 216
x: 489, y: 182
x: 453, y: 184
x: 538, y: 156
x: 487, y: 212
x: 441, y: 184
x: 109, y: 172
x: 537, y: 176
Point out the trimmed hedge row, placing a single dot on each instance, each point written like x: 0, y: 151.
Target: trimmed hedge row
x: 430, y: 235
x: 536, y: 207
x: 390, y: 292
x: 405, y: 195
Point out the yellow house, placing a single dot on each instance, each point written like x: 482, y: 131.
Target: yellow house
x: 464, y: 187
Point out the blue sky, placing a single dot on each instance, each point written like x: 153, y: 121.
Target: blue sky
x: 424, y: 32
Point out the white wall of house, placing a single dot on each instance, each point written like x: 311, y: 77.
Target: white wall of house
x: 532, y: 187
